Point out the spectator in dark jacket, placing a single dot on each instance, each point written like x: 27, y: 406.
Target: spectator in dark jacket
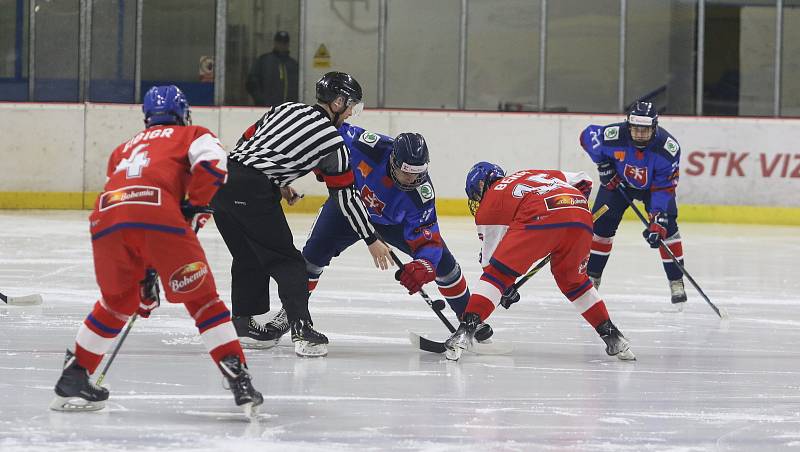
x: 273, y: 76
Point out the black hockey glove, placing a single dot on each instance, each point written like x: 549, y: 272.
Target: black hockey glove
x: 149, y: 293
x: 197, y: 216
x: 509, y: 297
x: 657, y: 231
x: 608, y: 175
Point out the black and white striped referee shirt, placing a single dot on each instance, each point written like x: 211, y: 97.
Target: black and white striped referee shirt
x: 293, y: 139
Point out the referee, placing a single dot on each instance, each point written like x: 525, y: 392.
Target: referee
x: 289, y: 141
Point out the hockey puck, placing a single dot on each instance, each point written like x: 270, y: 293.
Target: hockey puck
x: 438, y: 305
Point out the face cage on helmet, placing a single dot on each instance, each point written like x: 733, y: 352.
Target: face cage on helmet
x: 393, y: 166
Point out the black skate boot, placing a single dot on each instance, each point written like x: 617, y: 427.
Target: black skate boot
x: 463, y: 337
x: 255, y: 335
x: 279, y: 323
x: 239, y: 382
x: 483, y: 332
x: 616, y: 344
x: 678, y: 293
x: 74, y: 390
x: 308, y: 342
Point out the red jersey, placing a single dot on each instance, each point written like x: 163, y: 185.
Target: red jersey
x: 149, y: 176
x: 529, y: 198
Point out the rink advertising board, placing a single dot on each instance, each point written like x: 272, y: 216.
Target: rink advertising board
x: 732, y: 169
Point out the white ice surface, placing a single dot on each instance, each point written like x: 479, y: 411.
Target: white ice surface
x: 699, y: 384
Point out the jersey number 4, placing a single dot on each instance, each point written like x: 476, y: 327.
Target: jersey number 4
x: 134, y: 164
x: 543, y: 184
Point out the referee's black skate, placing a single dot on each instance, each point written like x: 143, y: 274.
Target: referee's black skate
x: 74, y: 390
x: 308, y: 342
x: 255, y: 335
x: 240, y: 384
x: 616, y: 344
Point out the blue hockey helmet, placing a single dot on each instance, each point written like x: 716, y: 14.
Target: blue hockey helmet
x: 642, y: 123
x: 166, y: 105
x: 409, y: 161
x: 479, y: 178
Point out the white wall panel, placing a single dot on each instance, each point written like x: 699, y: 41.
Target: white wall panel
x: 42, y: 147
x: 733, y: 161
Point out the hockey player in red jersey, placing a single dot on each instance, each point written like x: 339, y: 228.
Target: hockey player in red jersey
x: 159, y: 184
x: 522, y: 218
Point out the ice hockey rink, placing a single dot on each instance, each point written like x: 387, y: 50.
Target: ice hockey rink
x: 699, y: 383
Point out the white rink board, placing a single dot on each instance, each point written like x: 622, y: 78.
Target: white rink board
x: 733, y: 161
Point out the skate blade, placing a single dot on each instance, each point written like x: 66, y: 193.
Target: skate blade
x: 626, y: 355
x: 453, y: 354
x: 305, y: 350
x: 251, y: 343
x: 679, y: 306
x: 75, y: 404
x: 250, y: 411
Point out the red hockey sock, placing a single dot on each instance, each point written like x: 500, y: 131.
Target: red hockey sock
x: 213, y: 321
x: 480, y: 305
x: 96, y: 335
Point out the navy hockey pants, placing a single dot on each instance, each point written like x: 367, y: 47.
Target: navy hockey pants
x: 605, y: 228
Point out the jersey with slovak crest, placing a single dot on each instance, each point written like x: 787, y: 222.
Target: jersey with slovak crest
x: 654, y: 168
x: 387, y: 204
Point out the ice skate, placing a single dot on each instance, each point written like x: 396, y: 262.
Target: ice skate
x: 308, y: 342
x: 616, y: 344
x: 255, y: 335
x: 595, y: 281
x: 462, y: 339
x: 74, y: 390
x: 483, y: 332
x: 678, y: 294
x: 239, y: 382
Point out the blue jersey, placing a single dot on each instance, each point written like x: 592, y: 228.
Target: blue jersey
x: 387, y: 204
x: 653, y: 168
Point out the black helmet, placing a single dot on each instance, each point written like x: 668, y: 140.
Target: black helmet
x: 335, y: 84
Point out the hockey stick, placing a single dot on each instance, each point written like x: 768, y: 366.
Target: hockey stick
x: 26, y: 300
x: 116, y: 348
x: 436, y: 305
x: 603, y: 209
x: 722, y: 313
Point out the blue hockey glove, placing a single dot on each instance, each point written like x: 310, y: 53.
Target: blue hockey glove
x: 608, y: 175
x: 657, y: 231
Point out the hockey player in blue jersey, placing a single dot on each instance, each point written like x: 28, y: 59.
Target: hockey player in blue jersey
x: 392, y: 177
x: 643, y: 158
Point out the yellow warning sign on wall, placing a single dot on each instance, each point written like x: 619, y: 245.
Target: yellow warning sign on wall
x: 322, y: 58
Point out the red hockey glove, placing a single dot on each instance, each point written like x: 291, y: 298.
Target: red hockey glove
x: 416, y: 274
x: 197, y: 216
x: 149, y: 293
x: 608, y: 175
x: 585, y: 187
x: 657, y: 231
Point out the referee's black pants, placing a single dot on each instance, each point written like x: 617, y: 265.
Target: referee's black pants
x: 249, y: 216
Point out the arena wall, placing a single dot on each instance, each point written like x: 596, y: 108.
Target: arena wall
x: 732, y: 169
